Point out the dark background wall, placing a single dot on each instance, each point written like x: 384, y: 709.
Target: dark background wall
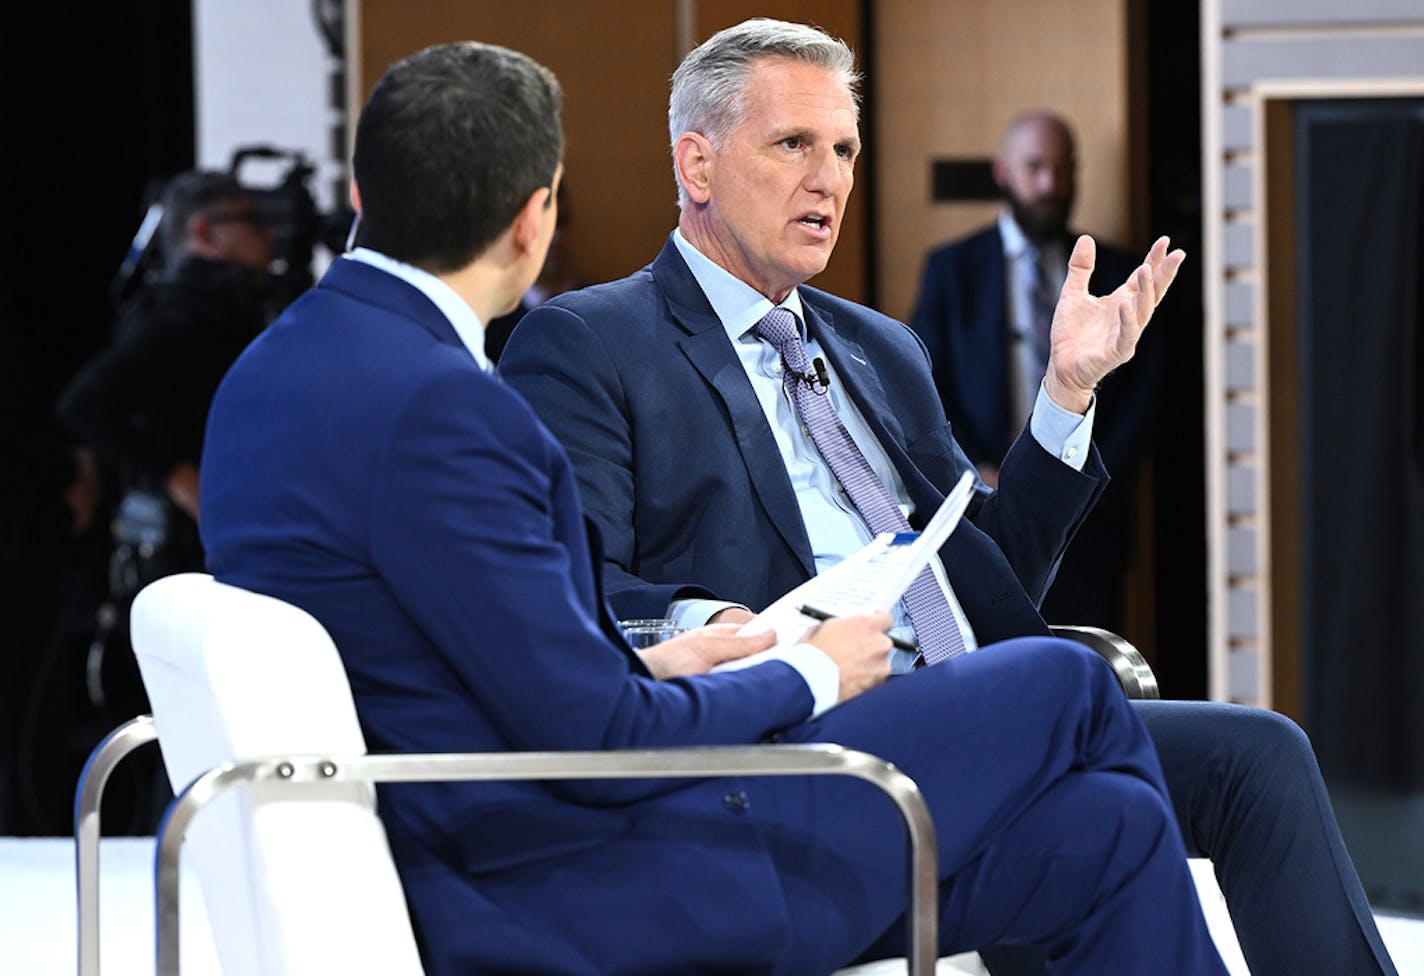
x: 98, y: 104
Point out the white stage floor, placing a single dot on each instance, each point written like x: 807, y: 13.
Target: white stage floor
x: 37, y: 913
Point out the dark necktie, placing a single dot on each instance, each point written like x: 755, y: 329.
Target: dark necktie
x: 1040, y: 303
x: 935, y: 627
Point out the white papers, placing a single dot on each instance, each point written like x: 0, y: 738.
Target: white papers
x: 873, y: 578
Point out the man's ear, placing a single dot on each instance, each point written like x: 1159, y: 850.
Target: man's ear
x: 1000, y: 177
x: 694, y: 158
x: 528, y: 222
x: 200, y: 236
x: 354, y: 194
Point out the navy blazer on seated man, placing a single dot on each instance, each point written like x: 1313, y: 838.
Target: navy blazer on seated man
x: 678, y: 468
x: 380, y: 420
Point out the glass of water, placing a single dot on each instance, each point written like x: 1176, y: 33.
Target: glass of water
x: 647, y: 632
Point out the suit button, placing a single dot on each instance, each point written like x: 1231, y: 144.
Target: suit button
x: 737, y: 802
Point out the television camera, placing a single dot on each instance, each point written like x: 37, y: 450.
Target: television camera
x: 286, y: 205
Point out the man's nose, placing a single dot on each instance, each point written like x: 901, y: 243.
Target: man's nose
x: 828, y: 173
x: 1053, y: 182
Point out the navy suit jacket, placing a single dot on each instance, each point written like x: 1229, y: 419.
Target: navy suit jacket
x: 962, y: 316
x: 360, y: 465
x: 678, y: 467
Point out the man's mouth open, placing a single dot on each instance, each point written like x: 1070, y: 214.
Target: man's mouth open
x: 819, y: 225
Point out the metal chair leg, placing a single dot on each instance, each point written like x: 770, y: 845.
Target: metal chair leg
x: 88, y: 796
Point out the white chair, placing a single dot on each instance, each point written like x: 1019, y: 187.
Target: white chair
x: 290, y: 886
x: 253, y: 713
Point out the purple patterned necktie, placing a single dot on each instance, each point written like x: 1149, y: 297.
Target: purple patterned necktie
x: 935, y: 627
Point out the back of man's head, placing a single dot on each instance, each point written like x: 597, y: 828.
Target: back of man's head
x: 450, y: 145
x: 189, y: 194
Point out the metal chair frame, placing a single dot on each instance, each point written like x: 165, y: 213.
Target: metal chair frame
x: 1127, y: 662
x: 308, y: 774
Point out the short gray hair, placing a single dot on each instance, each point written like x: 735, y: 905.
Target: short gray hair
x: 709, y: 86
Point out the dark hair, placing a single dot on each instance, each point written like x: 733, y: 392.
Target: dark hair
x: 189, y: 194
x: 450, y: 145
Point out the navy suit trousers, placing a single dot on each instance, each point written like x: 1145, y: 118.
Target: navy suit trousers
x: 1251, y: 798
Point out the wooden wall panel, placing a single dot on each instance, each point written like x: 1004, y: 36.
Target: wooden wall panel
x: 618, y: 181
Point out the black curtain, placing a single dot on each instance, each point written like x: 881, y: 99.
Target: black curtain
x: 1360, y: 197
x: 99, y: 109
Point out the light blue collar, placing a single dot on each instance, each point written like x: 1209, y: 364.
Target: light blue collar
x: 1016, y: 245
x: 738, y: 305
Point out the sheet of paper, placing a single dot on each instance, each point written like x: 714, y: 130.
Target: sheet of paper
x: 874, y: 577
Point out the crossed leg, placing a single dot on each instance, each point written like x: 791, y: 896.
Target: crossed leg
x: 1050, y: 810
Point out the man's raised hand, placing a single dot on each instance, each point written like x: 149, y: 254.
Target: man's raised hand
x: 1092, y: 336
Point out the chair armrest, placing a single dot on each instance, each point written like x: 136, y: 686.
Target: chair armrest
x: 298, y: 774
x: 1127, y: 661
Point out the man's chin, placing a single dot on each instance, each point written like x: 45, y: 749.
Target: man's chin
x: 1048, y: 227
x: 815, y: 261
x: 1041, y: 225
x: 1046, y: 231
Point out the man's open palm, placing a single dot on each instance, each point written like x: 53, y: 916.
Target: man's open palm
x: 1092, y: 336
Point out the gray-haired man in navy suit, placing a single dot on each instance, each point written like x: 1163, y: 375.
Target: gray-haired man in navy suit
x: 697, y: 423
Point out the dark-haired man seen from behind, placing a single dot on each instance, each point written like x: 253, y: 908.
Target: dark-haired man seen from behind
x: 363, y: 465
x: 734, y: 432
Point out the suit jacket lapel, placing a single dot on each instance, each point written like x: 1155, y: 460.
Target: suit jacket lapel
x: 707, y: 347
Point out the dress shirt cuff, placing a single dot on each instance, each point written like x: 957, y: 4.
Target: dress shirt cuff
x: 696, y: 612
x: 815, y: 667
x: 1062, y: 433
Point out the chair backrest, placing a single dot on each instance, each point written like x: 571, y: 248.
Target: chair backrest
x: 290, y: 887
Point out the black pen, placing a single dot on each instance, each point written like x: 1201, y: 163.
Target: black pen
x: 903, y: 645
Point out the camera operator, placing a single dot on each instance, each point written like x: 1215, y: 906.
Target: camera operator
x: 206, y: 286
x: 142, y: 402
